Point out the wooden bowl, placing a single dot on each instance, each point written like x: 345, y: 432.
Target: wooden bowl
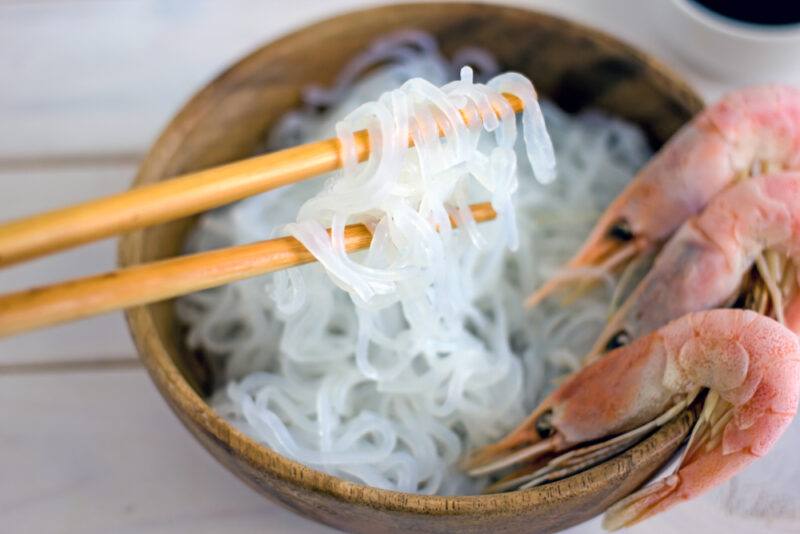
x: 229, y: 119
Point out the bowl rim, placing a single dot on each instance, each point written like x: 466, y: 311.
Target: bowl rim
x: 738, y: 29
x: 185, y: 401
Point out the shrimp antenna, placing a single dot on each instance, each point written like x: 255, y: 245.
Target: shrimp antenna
x: 582, y: 273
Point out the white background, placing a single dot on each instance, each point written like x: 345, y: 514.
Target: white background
x: 86, y: 443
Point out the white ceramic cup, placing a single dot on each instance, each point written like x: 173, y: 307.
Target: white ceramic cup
x: 726, y: 49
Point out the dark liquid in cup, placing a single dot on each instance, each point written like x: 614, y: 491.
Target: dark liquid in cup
x: 766, y: 12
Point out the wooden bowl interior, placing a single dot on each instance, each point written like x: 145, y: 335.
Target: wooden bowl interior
x: 229, y: 120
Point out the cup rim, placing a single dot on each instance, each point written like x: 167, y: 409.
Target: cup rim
x: 738, y: 29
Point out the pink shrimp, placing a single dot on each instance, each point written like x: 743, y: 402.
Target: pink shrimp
x: 750, y: 365
x: 703, y: 265
x: 748, y: 132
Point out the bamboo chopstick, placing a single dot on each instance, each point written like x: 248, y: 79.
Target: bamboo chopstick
x: 179, y: 197
x: 161, y: 280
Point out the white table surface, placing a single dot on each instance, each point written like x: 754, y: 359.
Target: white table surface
x: 86, y: 443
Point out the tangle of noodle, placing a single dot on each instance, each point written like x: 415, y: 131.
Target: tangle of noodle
x: 419, y: 349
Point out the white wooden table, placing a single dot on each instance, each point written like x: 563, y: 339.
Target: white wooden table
x: 86, y: 443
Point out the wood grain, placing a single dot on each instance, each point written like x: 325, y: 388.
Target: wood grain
x: 575, y: 66
x: 75, y: 364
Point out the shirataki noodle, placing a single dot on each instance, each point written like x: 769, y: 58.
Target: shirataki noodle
x: 385, y: 366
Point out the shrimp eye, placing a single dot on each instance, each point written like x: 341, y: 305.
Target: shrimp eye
x: 620, y: 339
x: 544, y: 424
x: 621, y: 230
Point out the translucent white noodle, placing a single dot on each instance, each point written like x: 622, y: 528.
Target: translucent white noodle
x: 432, y: 355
